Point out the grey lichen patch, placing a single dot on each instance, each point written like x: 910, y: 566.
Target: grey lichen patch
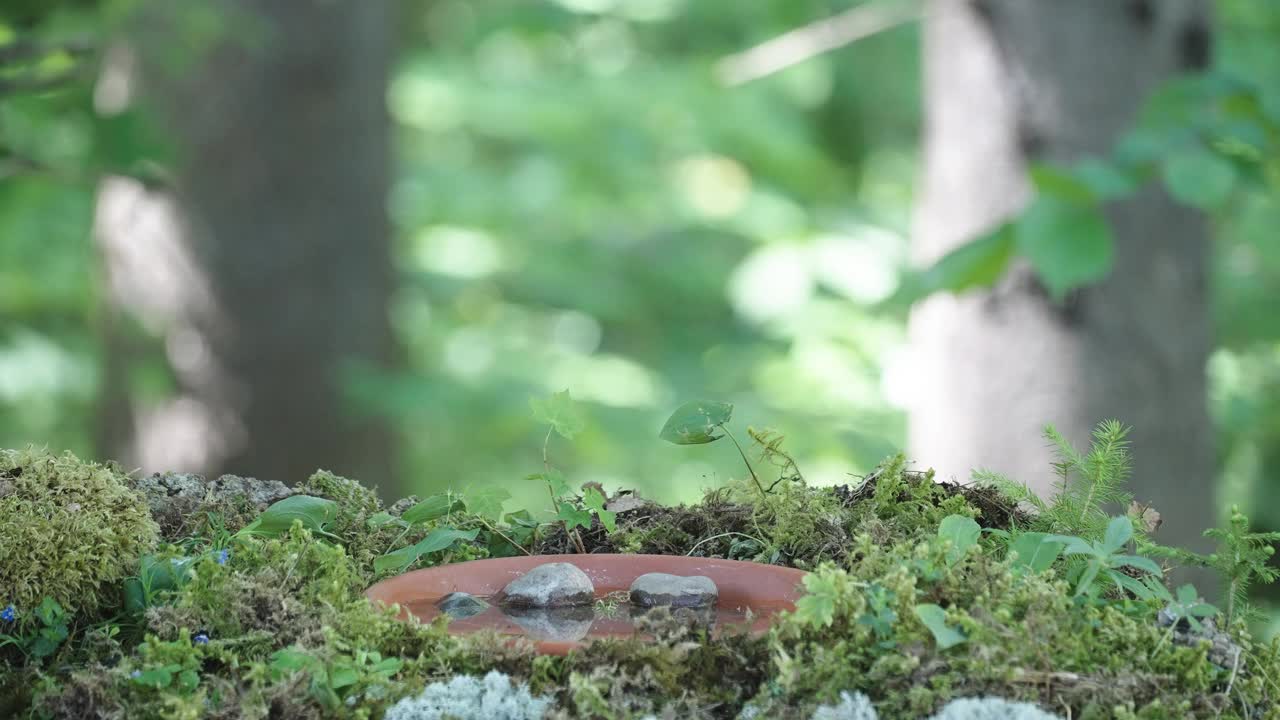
x: 182, y: 502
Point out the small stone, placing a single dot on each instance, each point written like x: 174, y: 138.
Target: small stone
x: 550, y: 585
x: 654, y: 589
x: 460, y: 605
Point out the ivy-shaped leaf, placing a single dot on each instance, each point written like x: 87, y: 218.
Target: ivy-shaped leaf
x: 560, y: 412
x: 594, y: 500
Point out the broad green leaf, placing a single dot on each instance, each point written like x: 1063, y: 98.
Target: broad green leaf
x: 1061, y: 184
x: 560, y: 412
x: 935, y: 618
x: 438, y: 539
x: 1107, y: 180
x: 434, y: 507
x: 487, y: 502
x: 694, y: 423
x: 1199, y: 177
x: 1035, y: 551
x: 1119, y: 532
x: 380, y: 519
x: 976, y: 264
x: 1068, y: 244
x: 962, y: 531
x: 314, y: 513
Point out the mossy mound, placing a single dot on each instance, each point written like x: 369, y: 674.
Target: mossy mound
x: 69, y: 530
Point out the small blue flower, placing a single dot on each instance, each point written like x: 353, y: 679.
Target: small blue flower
x: 200, y: 639
x: 223, y: 556
x: 135, y: 674
x: 8, y: 614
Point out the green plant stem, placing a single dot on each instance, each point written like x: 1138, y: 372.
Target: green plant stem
x: 763, y: 495
x: 494, y: 529
x: 555, y: 501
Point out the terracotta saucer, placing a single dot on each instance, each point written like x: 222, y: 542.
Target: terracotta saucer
x: 744, y: 586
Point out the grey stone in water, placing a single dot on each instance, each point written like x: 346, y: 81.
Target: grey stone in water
x: 653, y: 589
x: 460, y: 605
x: 563, y: 624
x: 548, y: 586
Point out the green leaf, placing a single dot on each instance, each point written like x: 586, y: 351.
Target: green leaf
x: 560, y: 412
x: 694, y: 423
x: 1068, y: 244
x: 1035, y: 551
x: 157, y: 678
x: 1199, y: 177
x: 609, y: 519
x: 935, y: 618
x: 439, y: 539
x: 434, y: 507
x: 487, y: 502
x: 1137, y: 561
x: 1124, y: 582
x: 1107, y: 180
x: 817, y: 608
x: 1061, y: 184
x: 555, y: 481
x: 1119, y: 532
x: 975, y: 264
x: 380, y: 519
x: 963, y: 532
x: 314, y: 513
x: 573, y: 516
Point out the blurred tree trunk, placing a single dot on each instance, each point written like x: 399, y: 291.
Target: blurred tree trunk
x: 1007, y: 83
x: 269, y: 267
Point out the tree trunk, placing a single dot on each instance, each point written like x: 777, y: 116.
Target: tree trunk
x: 270, y: 267
x: 1007, y: 83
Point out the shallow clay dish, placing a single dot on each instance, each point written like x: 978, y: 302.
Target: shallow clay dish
x: 762, y: 589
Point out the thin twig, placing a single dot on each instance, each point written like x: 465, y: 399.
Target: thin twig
x: 796, y: 46
x: 721, y: 535
x: 494, y: 529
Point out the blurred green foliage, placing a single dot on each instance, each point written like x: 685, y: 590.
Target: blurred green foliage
x: 580, y: 203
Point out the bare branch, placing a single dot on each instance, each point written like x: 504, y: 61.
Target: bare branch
x: 796, y: 46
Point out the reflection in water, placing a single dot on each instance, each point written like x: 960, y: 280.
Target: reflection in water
x: 604, y: 619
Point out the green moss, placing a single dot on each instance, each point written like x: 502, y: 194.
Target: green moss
x: 69, y: 530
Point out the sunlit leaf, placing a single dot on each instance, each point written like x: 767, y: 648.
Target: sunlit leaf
x: 560, y: 412
x: 695, y: 423
x: 1199, y: 177
x: 1069, y: 244
x: 935, y: 618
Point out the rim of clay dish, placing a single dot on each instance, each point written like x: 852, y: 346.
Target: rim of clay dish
x: 741, y: 584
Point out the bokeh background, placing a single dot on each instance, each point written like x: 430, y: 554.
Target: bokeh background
x: 542, y: 194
